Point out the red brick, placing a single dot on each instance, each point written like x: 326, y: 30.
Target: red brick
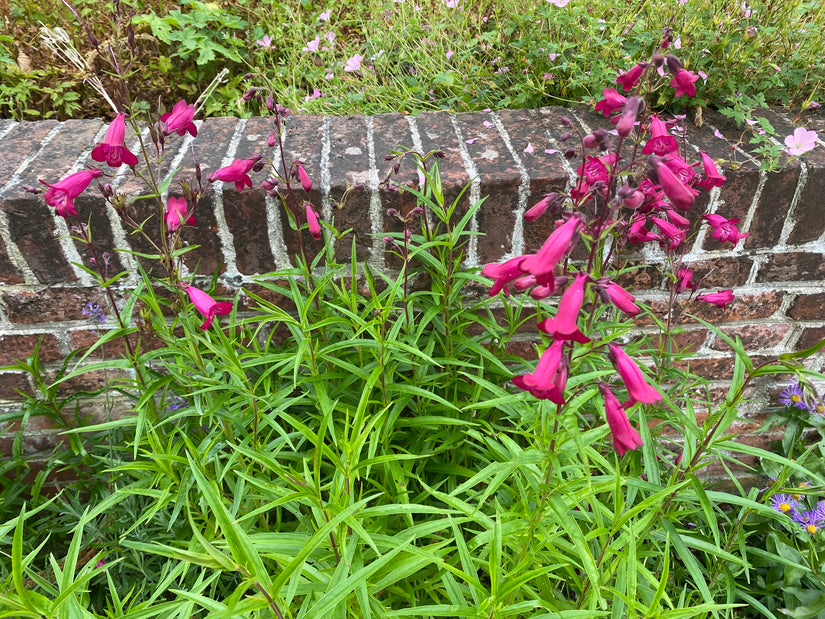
x: 714, y: 368
x: 14, y: 347
x: 795, y: 266
x: 744, y: 307
x: 50, y: 304
x: 9, y: 274
x: 11, y: 383
x: 683, y: 341
x: 727, y: 272
x: 754, y: 337
x: 21, y: 142
x: 808, y: 307
x: 810, y: 337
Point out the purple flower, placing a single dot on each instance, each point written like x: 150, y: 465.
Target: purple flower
x: 811, y: 520
x: 94, y: 312
x: 792, y: 396
x: 800, y: 142
x: 353, y: 64
x: 784, y: 503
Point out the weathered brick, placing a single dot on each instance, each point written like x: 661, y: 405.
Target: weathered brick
x: 790, y: 267
x: 728, y: 272
x: 754, y: 337
x: 21, y: 142
x: 9, y: 274
x: 50, y: 304
x: 11, y: 383
x: 808, y: 307
x: 810, y: 337
x: 15, y: 347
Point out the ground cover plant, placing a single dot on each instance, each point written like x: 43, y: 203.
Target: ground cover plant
x: 366, y: 444
x: 375, y: 56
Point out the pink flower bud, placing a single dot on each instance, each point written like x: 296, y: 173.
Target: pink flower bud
x: 312, y: 220
x: 625, y: 437
x: 306, y: 183
x: 634, y: 380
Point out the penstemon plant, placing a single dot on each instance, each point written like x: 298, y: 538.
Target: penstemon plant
x: 367, y: 444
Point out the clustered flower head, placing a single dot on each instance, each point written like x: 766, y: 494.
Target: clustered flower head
x: 629, y: 190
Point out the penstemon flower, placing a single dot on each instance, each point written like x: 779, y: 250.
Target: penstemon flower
x: 207, y: 306
x: 113, y: 149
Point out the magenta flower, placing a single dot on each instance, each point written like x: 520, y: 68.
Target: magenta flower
x: 712, y: 176
x: 504, y: 273
x: 680, y: 194
x: 541, y: 206
x: 676, y: 219
x: 621, y: 298
x: 560, y: 242
x: 612, y: 101
x: 176, y: 209
x: 353, y: 64
x: 207, y: 306
x: 625, y: 437
x: 800, y: 142
x: 684, y: 278
x: 312, y: 220
x: 634, y: 380
x: 236, y: 172
x: 113, y: 149
x: 672, y: 233
x: 550, y: 377
x: 179, y: 120
x: 629, y: 79
x: 724, y: 229
x: 660, y: 142
x: 61, y: 195
x: 637, y: 233
x: 719, y: 299
x: 683, y: 83
x: 306, y: 182
x: 627, y: 119
x: 564, y: 325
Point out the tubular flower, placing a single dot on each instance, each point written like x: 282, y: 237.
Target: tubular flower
x: 503, y: 273
x: 660, y: 142
x: 550, y: 378
x: 680, y: 194
x: 637, y: 233
x: 61, y: 195
x: 179, y: 120
x: 627, y: 119
x: 560, y: 241
x: 625, y: 437
x: 306, y: 183
x: 312, y: 220
x: 236, y: 172
x: 549, y: 199
x: 621, y: 298
x: 683, y: 83
x: 612, y: 101
x: 673, y: 234
x: 724, y: 229
x: 176, y: 209
x: 634, y: 380
x: 207, y: 306
x: 629, y: 79
x: 564, y: 325
x: 712, y: 176
x: 676, y: 219
x: 719, y: 299
x: 684, y: 279
x: 113, y: 149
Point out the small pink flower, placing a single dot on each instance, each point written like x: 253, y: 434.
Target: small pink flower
x: 684, y: 280
x: 634, y: 380
x: 625, y: 437
x: 800, y: 142
x: 629, y: 79
x: 612, y: 101
x: 325, y: 15
x: 236, y: 172
x: 207, y: 306
x: 529, y: 148
x: 713, y: 178
x: 113, y: 149
x: 353, y: 64
x: 564, y: 325
x: 179, y: 120
x: 559, y: 3
x: 313, y: 45
x: 682, y: 82
x: 176, y: 209
x: 312, y: 220
x: 449, y: 54
x: 266, y: 42
x: 720, y: 299
x: 61, y: 195
x: 724, y: 230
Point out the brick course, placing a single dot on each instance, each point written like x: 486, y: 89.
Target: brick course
x: 511, y: 156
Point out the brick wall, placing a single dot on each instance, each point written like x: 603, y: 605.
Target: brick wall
x: 511, y: 156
